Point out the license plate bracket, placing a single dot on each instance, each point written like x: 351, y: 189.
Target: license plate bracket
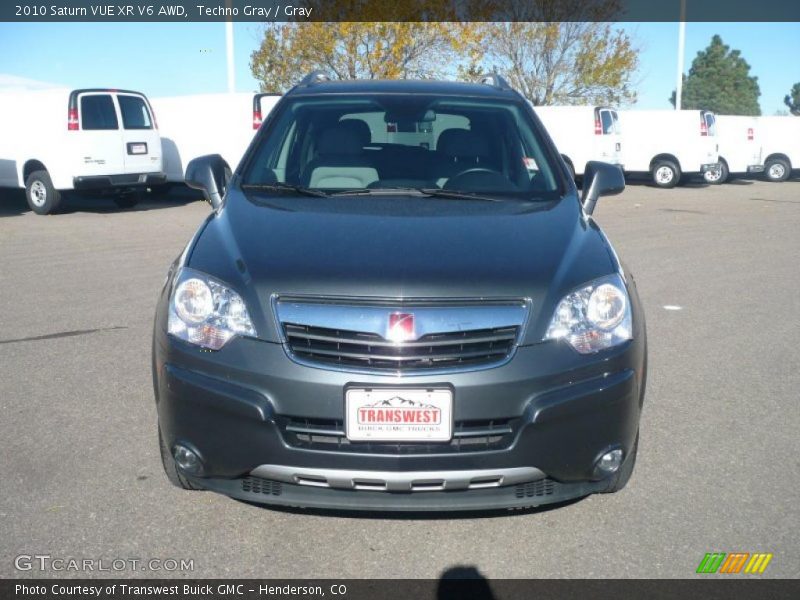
x: 396, y: 414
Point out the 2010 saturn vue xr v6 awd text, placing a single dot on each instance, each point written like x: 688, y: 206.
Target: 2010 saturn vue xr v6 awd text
x: 400, y: 302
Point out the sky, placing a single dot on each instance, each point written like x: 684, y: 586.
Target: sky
x: 172, y: 59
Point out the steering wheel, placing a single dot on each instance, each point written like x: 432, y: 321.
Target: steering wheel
x: 476, y: 170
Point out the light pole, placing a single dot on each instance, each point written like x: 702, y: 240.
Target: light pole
x: 681, y: 43
x: 229, y: 51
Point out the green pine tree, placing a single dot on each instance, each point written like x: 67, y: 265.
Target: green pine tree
x: 793, y: 100
x: 719, y: 80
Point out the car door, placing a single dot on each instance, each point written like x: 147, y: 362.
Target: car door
x: 98, y: 141
x: 141, y: 142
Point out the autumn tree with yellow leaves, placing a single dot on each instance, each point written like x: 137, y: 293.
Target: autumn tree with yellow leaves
x: 552, y: 51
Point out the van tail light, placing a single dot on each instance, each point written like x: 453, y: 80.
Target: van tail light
x: 598, y: 127
x: 703, y: 126
x: 750, y: 134
x: 256, y: 119
x: 72, y: 119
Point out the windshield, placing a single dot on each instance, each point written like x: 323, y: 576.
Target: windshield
x: 336, y: 143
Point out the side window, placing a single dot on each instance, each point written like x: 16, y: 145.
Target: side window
x: 134, y: 112
x: 97, y: 112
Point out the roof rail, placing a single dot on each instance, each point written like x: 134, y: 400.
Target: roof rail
x: 314, y: 77
x: 495, y: 80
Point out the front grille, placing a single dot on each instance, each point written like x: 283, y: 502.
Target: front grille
x: 328, y: 434
x: 371, y: 351
x: 257, y: 485
x: 536, y: 489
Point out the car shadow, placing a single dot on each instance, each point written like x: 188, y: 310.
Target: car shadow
x: 13, y: 202
x: 414, y: 515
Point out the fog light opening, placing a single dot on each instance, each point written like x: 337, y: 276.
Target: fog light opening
x: 187, y: 459
x: 610, y: 462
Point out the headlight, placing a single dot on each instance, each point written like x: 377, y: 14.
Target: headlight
x: 205, y: 312
x: 594, y: 317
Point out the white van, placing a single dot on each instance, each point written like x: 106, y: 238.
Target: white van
x: 98, y: 139
x: 780, y: 145
x: 583, y: 133
x: 739, y: 148
x: 668, y: 145
x: 200, y: 124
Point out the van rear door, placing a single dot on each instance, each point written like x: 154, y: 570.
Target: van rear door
x: 141, y: 144
x: 96, y: 134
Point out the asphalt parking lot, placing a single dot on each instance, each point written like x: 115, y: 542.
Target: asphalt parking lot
x: 718, y: 465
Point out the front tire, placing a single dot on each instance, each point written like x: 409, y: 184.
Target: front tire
x: 42, y: 197
x: 777, y: 169
x: 717, y: 176
x: 665, y: 174
x: 171, y: 469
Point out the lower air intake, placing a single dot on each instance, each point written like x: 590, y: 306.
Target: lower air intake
x: 535, y: 489
x: 257, y: 485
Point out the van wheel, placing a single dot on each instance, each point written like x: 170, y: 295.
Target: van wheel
x: 717, y: 176
x: 42, y: 197
x: 127, y: 200
x: 665, y: 174
x: 620, y: 479
x: 171, y: 469
x: 777, y: 169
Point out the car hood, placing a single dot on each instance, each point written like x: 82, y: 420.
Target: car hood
x: 399, y: 248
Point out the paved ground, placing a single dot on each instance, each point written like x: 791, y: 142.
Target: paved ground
x: 718, y: 460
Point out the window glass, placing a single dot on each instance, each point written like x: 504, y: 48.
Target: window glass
x: 134, y: 112
x: 97, y: 112
x: 373, y: 141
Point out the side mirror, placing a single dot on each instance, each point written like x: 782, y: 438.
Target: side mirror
x: 600, y: 179
x: 209, y: 174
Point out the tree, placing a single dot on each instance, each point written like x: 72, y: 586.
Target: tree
x: 426, y: 40
x: 793, y: 100
x: 719, y: 80
x: 561, y: 52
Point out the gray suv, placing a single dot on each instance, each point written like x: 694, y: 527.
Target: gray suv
x: 400, y: 302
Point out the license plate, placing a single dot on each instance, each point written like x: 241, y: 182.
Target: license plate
x: 399, y: 415
x: 137, y: 148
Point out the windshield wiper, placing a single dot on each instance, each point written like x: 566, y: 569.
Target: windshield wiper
x: 285, y: 187
x: 456, y: 195
x: 430, y: 192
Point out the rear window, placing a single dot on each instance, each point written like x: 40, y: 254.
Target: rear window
x: 711, y: 123
x: 134, y: 112
x: 607, y: 119
x: 97, y: 112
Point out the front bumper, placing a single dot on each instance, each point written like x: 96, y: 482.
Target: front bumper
x: 231, y: 407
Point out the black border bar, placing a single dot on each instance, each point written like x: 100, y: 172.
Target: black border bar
x: 452, y: 586
x: 154, y: 11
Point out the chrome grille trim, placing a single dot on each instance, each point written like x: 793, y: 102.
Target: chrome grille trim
x: 399, y: 481
x: 352, y: 337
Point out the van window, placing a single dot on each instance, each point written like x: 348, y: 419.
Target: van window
x: 97, y: 112
x: 608, y: 122
x: 134, y: 112
x: 711, y: 123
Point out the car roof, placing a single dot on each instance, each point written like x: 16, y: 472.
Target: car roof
x: 402, y: 86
